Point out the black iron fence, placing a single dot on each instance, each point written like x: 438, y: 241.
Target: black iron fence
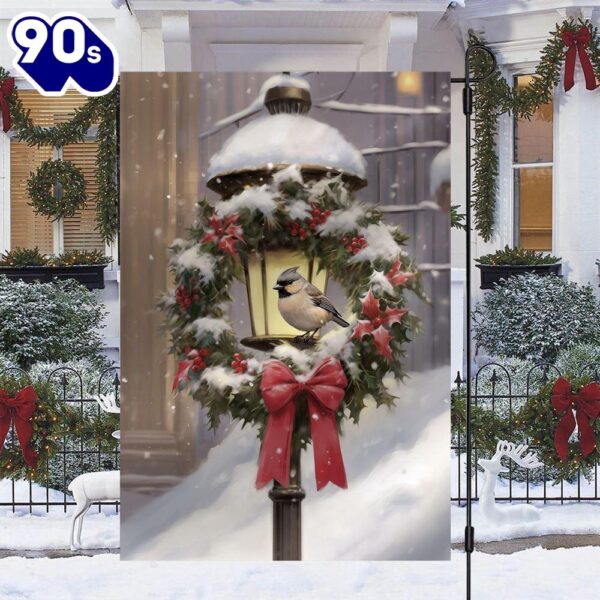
x: 75, y: 455
x: 498, y: 390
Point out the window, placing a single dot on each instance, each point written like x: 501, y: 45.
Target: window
x: 28, y: 229
x: 532, y: 168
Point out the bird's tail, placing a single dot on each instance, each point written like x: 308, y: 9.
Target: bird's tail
x: 340, y: 321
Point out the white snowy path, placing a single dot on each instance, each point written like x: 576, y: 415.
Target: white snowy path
x: 534, y: 574
x: 395, y: 507
x: 51, y: 531
x: 573, y: 518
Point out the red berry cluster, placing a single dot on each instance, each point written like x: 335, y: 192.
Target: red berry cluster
x: 297, y: 230
x: 318, y: 217
x: 354, y: 244
x: 184, y: 298
x: 238, y: 364
x: 199, y: 364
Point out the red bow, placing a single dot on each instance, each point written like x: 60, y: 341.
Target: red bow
x: 224, y: 232
x: 7, y: 87
x: 577, y: 43
x: 324, y: 389
x: 586, y: 405
x: 19, y: 411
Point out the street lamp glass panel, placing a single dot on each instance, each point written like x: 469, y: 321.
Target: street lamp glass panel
x: 262, y: 272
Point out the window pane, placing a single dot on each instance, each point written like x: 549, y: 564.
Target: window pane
x: 533, y: 138
x: 80, y: 230
x: 533, y: 188
x: 27, y: 229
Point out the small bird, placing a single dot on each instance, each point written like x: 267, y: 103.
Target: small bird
x: 303, y: 305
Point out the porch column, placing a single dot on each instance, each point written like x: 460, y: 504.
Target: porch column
x: 576, y: 215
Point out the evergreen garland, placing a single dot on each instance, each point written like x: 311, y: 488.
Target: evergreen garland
x: 495, y: 96
x: 98, y: 109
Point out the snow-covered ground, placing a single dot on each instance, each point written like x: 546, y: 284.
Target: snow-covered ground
x: 396, y: 505
x: 555, y: 518
x: 534, y: 574
x: 39, y: 530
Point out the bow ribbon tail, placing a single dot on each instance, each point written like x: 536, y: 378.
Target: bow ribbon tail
x: 563, y: 432
x: 329, y: 464
x: 570, y: 67
x: 6, y: 89
x: 5, y: 419
x: 587, y: 437
x: 275, y: 452
x: 24, y: 431
x: 588, y: 69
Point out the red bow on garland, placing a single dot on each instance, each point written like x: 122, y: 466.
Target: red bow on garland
x: 224, y: 233
x: 7, y: 87
x: 576, y: 43
x: 19, y: 410
x: 324, y: 388
x: 586, y: 405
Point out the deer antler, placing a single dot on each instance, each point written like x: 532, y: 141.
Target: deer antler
x: 108, y: 403
x: 517, y: 454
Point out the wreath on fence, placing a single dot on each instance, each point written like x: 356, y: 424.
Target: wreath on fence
x: 495, y: 96
x: 42, y: 188
x: 25, y: 453
x: 99, y: 109
x: 541, y: 419
x: 346, y: 238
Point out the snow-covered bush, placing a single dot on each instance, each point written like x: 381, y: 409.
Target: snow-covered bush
x: 579, y: 360
x: 535, y: 317
x: 51, y: 322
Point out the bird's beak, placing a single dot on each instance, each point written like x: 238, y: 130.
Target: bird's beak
x: 277, y: 287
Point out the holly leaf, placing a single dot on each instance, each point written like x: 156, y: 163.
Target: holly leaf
x: 382, y: 337
x: 393, y: 315
x: 361, y: 329
x: 370, y: 306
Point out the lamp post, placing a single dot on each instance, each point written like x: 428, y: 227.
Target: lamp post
x: 283, y: 100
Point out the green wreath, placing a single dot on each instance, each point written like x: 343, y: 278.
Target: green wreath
x: 538, y: 421
x: 41, y: 188
x: 495, y: 96
x: 53, y: 422
x: 360, y: 253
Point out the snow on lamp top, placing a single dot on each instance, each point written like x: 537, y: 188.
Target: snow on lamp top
x: 286, y: 137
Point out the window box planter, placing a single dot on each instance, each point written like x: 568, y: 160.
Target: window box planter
x: 492, y: 274
x: 92, y: 276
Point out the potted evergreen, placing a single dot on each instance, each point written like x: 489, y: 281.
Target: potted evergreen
x: 30, y: 265
x: 509, y: 262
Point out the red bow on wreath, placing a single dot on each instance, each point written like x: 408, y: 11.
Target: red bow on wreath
x: 586, y: 405
x: 19, y: 410
x: 7, y: 87
x: 324, y: 388
x: 576, y: 43
x: 224, y: 233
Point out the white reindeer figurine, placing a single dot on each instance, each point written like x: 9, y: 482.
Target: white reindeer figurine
x: 492, y: 467
x: 88, y: 488
x: 94, y: 487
